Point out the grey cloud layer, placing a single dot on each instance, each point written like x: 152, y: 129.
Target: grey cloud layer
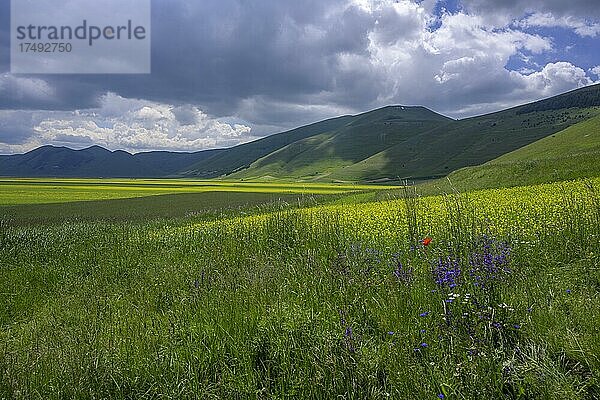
x: 273, y: 64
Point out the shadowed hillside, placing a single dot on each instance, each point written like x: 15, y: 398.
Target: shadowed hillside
x: 242, y: 156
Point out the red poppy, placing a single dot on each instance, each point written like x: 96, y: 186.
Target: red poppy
x: 427, y: 241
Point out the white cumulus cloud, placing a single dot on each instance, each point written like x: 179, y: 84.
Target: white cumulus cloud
x: 579, y: 25
x: 136, y: 125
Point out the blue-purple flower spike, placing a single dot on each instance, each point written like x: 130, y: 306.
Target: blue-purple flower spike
x: 447, y: 272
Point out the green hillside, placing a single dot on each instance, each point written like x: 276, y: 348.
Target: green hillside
x: 569, y: 154
x: 368, y: 134
x: 388, y: 144
x: 581, y: 138
x: 462, y: 143
x: 585, y: 97
x: 417, y: 144
x: 242, y: 156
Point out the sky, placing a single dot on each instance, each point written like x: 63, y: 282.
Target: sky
x: 225, y: 72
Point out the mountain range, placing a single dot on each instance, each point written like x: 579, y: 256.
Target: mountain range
x: 390, y: 143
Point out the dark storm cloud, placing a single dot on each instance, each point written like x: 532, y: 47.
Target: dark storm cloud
x: 68, y: 92
x: 14, y: 134
x: 218, y: 52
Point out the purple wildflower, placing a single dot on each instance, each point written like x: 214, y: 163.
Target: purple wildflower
x: 403, y: 274
x: 490, y: 263
x: 348, y: 332
x: 447, y: 272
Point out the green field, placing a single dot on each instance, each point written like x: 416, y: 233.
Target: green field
x: 196, y: 295
x: 42, y: 191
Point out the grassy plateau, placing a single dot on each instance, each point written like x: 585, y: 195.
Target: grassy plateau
x: 296, y: 291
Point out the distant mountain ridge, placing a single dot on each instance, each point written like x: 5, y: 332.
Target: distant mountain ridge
x: 97, y: 162
x: 389, y: 143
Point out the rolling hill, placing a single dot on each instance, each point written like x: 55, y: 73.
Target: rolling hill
x: 462, y: 143
x: 240, y: 157
x: 442, y: 146
x: 390, y: 143
x: 367, y: 134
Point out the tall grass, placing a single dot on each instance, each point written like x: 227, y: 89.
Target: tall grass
x: 323, y: 302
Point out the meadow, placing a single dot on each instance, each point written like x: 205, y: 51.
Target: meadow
x: 482, y: 295
x: 15, y: 191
